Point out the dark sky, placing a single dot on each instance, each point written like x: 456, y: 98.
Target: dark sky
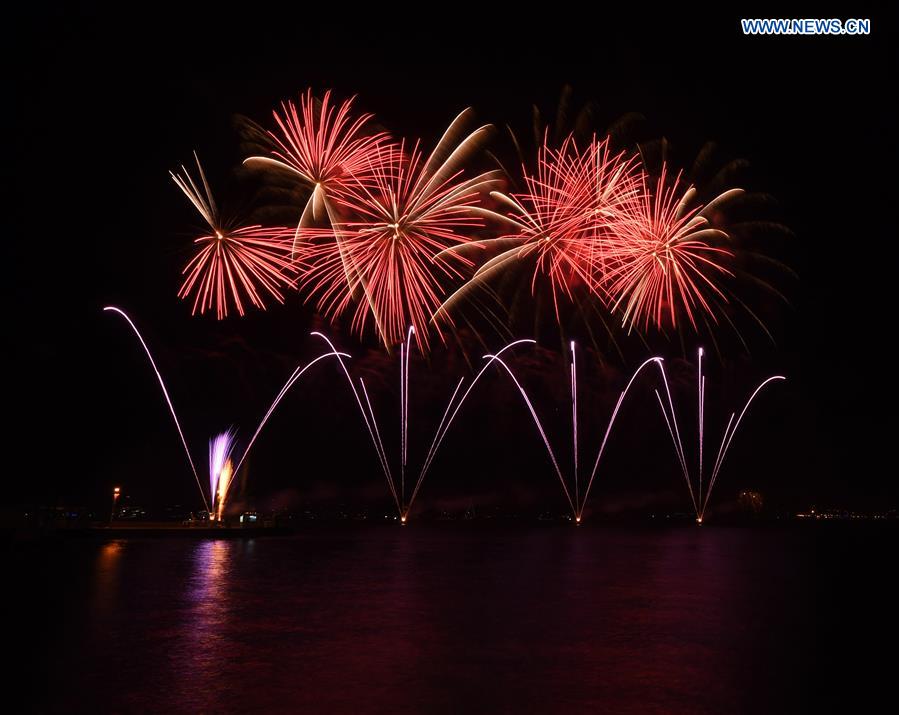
x: 105, y: 103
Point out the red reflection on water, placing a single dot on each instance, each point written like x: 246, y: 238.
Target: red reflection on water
x: 106, y: 577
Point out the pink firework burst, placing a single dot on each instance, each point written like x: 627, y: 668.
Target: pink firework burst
x: 232, y: 265
x: 390, y: 257
x: 664, y: 258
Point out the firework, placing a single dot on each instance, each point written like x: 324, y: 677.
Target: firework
x: 612, y: 183
x: 391, y: 245
x: 397, y: 484
x: 578, y: 501
x: 664, y: 260
x: 571, y: 205
x: 327, y: 148
x: 232, y: 265
x: 324, y: 146
x: 220, y: 470
x: 291, y: 381
x: 699, y: 499
x: 165, y: 394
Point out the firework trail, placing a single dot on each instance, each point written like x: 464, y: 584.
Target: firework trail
x: 397, y: 484
x: 700, y: 501
x: 574, y: 418
x: 291, y: 381
x: 232, y: 264
x: 578, y: 503
x: 662, y: 257
x: 391, y: 243
x: 165, y: 393
x: 452, y: 409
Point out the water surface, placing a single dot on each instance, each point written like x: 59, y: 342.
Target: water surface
x: 441, y: 618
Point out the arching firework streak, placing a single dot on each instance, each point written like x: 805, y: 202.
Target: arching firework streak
x: 397, y: 484
x: 222, y: 445
x: 578, y: 503
x: 291, y: 381
x: 700, y: 501
x: 165, y: 394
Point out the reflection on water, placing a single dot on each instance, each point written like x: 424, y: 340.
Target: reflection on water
x: 208, y: 585
x: 454, y: 619
x: 207, y: 614
x: 107, y: 572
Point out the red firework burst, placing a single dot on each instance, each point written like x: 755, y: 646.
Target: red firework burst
x: 325, y: 146
x: 611, y: 181
x: 232, y: 265
x: 664, y: 260
x: 390, y: 251
x: 564, y: 217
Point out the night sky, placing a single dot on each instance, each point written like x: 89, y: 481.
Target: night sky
x: 104, y: 106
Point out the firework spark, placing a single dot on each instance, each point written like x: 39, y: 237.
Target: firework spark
x: 232, y: 265
x: 391, y: 245
x: 664, y: 259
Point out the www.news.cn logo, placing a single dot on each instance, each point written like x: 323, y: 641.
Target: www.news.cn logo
x: 806, y: 27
